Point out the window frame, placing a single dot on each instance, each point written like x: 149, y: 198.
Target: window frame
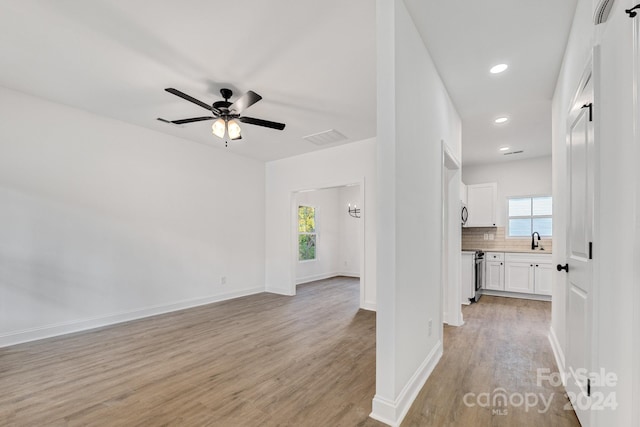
x: 530, y: 217
x: 300, y: 233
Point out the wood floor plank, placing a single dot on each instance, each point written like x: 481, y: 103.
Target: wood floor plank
x: 501, y: 345
x: 269, y: 360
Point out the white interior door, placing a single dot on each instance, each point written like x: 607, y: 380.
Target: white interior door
x: 580, y: 172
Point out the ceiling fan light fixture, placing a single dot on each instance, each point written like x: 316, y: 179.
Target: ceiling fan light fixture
x: 234, y: 130
x: 219, y: 127
x: 497, y: 69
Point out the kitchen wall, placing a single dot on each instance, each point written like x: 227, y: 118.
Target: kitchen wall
x: 102, y: 221
x: 337, y: 241
x: 515, y: 178
x: 473, y: 239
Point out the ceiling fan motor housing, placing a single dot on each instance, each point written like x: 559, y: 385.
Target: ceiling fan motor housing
x: 226, y: 93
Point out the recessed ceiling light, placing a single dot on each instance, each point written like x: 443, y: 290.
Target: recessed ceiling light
x: 501, y: 120
x: 504, y: 148
x: 496, y: 69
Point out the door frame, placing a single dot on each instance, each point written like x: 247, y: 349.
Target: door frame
x: 451, y: 264
x: 591, y: 73
x: 635, y: 328
x: 294, y: 234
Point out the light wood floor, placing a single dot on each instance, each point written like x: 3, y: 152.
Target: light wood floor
x: 501, y: 345
x: 268, y: 360
x: 261, y: 360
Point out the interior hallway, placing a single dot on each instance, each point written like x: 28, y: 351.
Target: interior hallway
x: 501, y: 345
x: 272, y: 360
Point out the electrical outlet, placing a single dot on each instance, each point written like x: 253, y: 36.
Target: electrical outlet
x: 430, y: 326
x: 223, y: 280
x: 492, y: 236
x: 486, y: 236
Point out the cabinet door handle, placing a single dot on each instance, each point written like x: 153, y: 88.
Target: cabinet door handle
x: 565, y: 267
x: 536, y: 265
x: 500, y: 263
x: 531, y: 265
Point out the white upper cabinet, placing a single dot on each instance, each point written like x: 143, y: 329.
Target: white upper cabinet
x: 481, y: 203
x: 463, y: 192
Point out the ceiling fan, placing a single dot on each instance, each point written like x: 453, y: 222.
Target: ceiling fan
x: 227, y: 113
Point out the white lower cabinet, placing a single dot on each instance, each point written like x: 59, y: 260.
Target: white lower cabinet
x: 494, y: 271
x: 519, y: 277
x: 542, y: 278
x: 528, y: 273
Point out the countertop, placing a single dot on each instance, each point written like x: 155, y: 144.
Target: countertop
x: 513, y: 251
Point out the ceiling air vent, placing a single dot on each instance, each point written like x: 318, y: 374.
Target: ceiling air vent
x: 514, y: 152
x: 327, y: 137
x: 602, y: 11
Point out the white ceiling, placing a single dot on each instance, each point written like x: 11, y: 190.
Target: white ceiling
x: 467, y: 37
x: 313, y: 62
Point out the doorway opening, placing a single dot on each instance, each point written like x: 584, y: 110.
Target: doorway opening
x: 451, y: 311
x: 327, y: 234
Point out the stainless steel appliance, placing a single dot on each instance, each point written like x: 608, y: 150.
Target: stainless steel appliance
x: 479, y: 275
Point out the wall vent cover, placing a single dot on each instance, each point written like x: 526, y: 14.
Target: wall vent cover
x: 326, y: 137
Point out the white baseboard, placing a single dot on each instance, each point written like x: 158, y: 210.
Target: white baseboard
x: 393, y: 412
x: 280, y: 291
x: 49, y: 331
x: 368, y: 305
x: 558, y: 354
x: 348, y: 274
x: 307, y: 279
x: 508, y: 294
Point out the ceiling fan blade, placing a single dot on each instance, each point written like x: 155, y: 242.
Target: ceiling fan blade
x: 244, y: 102
x: 194, y: 119
x: 183, y: 95
x: 260, y: 122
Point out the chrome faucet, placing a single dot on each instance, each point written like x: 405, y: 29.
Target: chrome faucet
x: 534, y: 244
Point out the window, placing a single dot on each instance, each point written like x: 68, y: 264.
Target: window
x: 307, y: 235
x: 529, y: 214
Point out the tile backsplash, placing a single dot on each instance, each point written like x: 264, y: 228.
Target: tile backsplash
x: 473, y: 238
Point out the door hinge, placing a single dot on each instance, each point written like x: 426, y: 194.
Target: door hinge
x: 631, y: 12
x: 590, y: 107
x: 590, y: 250
x: 588, y: 387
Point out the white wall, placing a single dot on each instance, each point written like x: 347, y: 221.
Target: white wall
x: 615, y: 209
x: 349, y: 251
x: 515, y: 178
x: 614, y: 244
x: 342, y: 165
x: 101, y: 221
x: 575, y: 59
x: 337, y: 240
x: 415, y: 114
